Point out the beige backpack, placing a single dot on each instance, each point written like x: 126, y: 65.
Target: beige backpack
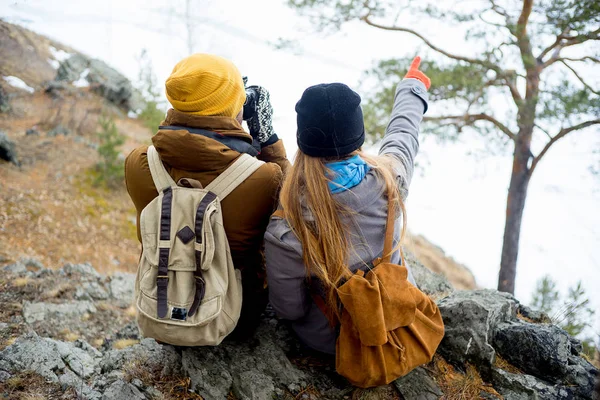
x: 186, y: 289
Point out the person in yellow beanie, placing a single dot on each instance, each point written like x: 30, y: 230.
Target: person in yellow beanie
x: 200, y: 137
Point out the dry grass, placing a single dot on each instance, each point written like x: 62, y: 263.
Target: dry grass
x: 505, y: 365
x: 309, y: 390
x: 57, y: 292
x: 69, y: 336
x: 131, y: 311
x: 20, y: 282
x: 124, y: 343
x: 48, y: 208
x: 27, y: 385
x: 171, y: 387
x: 460, y: 386
x: 387, y: 392
x: 104, y: 306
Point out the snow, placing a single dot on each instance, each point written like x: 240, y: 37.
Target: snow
x: 82, y: 81
x: 18, y: 83
x: 58, y: 56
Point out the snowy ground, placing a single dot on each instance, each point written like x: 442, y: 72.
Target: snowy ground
x: 457, y: 200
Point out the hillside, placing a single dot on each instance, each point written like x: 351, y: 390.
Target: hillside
x: 48, y: 207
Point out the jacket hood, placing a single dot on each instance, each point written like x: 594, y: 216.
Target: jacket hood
x: 191, y: 152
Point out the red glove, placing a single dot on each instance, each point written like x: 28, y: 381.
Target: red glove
x: 413, y: 72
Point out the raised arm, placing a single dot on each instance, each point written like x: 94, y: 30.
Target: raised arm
x: 401, y: 139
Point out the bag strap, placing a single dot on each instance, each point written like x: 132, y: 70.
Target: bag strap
x: 234, y: 175
x: 160, y: 176
x: 199, y: 249
x: 164, y: 248
x: 388, y: 251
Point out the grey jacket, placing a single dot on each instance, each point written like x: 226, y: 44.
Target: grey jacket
x: 286, y: 274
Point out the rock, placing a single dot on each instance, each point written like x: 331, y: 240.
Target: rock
x: 71, y: 69
x: 3, y: 326
x: 49, y: 358
x: 104, y: 80
x: 56, y: 88
x: 7, y: 150
x: 214, y: 371
x: 526, y: 387
x: 91, y: 291
x: 70, y: 379
x: 62, y: 313
x: 154, y: 355
x: 470, y: 318
x: 32, y: 132
x: 121, y: 288
x: 534, y: 315
x: 80, y: 269
x: 4, y: 376
x: 576, y: 346
x: 17, y: 268
x: 582, y: 375
x: 121, y: 390
x: 4, y: 104
x: 129, y: 331
x: 429, y: 282
x: 153, y: 394
x: 418, y: 385
x: 548, y: 348
x: 32, y: 264
x: 80, y: 357
x: 58, y: 130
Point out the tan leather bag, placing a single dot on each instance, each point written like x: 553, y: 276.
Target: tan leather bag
x: 187, y: 291
x: 388, y: 326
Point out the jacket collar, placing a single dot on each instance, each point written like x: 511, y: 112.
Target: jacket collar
x: 197, y: 153
x: 226, y: 126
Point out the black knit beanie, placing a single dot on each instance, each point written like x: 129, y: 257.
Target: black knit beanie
x: 330, y: 121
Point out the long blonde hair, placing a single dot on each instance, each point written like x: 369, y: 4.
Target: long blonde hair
x: 315, y: 218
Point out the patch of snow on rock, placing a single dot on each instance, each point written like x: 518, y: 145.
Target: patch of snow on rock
x: 82, y: 81
x: 59, y: 55
x: 18, y: 83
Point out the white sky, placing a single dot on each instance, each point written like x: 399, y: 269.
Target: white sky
x: 457, y: 200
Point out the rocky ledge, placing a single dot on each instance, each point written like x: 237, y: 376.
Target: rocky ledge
x: 494, y: 348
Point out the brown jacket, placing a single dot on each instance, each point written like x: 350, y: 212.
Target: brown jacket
x: 246, y: 211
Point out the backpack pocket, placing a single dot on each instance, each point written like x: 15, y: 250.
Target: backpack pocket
x: 180, y: 296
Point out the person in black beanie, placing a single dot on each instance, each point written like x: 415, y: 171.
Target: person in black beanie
x: 330, y: 121
x: 333, y: 202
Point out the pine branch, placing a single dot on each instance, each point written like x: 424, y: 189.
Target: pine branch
x: 592, y: 59
x: 580, y: 78
x: 484, y: 63
x: 469, y: 119
x: 561, y: 134
x: 562, y: 41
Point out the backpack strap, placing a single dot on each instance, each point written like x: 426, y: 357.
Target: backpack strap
x: 199, y: 248
x: 164, y: 248
x: 234, y: 175
x: 160, y: 176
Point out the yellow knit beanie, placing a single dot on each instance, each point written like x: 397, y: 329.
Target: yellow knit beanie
x: 204, y: 84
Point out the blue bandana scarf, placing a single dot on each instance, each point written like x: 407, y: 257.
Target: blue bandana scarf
x: 347, y: 173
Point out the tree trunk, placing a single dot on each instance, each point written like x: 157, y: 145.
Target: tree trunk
x: 515, y: 204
